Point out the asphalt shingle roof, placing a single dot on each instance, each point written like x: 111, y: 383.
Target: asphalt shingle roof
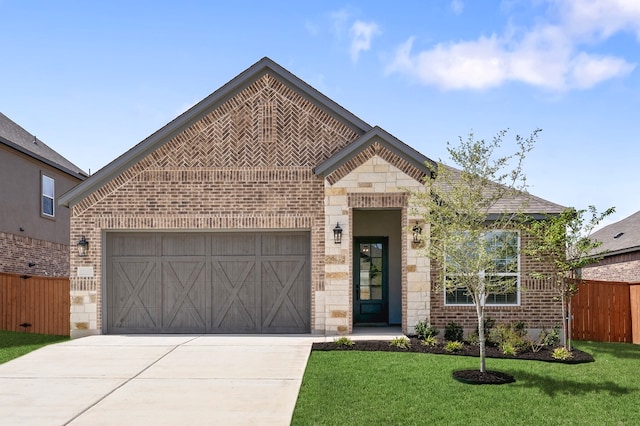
x: 620, y: 237
x: 523, y: 202
x: 14, y: 136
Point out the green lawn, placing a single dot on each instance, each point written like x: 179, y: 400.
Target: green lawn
x: 387, y: 388
x: 14, y: 344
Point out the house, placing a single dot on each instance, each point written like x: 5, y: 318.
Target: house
x: 621, y: 247
x: 266, y: 208
x: 34, y: 232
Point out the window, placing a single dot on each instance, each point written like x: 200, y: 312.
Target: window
x: 48, y: 196
x: 504, y: 272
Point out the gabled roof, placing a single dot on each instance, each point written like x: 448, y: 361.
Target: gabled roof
x: 522, y: 202
x: 620, y: 237
x: 388, y: 141
x: 14, y: 136
x: 233, y: 87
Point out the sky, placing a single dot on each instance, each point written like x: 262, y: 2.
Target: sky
x: 94, y: 78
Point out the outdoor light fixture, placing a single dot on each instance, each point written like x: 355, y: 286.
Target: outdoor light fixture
x: 337, y: 234
x: 417, y: 231
x: 83, y: 247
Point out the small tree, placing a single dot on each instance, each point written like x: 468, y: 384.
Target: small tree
x: 465, y: 208
x: 562, y: 243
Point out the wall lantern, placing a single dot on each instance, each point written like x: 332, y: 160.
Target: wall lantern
x: 83, y: 247
x: 337, y: 234
x: 417, y: 231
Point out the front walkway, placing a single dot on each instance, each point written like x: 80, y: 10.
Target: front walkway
x: 160, y: 380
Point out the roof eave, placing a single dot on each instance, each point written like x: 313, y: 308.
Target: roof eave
x: 390, y: 142
x: 81, y: 176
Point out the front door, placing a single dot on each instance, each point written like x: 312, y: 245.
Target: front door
x: 370, y: 290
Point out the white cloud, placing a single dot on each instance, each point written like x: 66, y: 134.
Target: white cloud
x: 599, y: 18
x: 339, y: 20
x: 361, y: 34
x: 457, y: 6
x: 549, y: 55
x: 589, y: 70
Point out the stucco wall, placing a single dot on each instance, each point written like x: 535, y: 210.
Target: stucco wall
x: 26, y: 236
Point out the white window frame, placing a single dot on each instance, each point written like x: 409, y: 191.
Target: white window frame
x: 482, y: 274
x: 45, y: 195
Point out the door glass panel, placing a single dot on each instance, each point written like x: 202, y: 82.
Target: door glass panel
x: 371, y: 271
x: 365, y: 266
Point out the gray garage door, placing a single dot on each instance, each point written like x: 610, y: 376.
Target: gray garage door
x: 207, y: 283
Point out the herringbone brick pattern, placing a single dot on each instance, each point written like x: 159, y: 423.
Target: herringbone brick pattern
x: 267, y: 125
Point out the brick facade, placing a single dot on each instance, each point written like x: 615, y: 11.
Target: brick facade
x: 227, y: 171
x: 619, y: 268
x: 51, y: 259
x: 539, y: 304
x: 248, y: 164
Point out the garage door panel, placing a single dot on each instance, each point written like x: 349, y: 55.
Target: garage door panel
x: 136, y: 295
x: 208, y: 282
x: 183, y: 244
x: 236, y: 244
x: 284, y: 244
x: 185, y: 295
x: 134, y: 245
x: 234, y: 282
x: 285, y: 293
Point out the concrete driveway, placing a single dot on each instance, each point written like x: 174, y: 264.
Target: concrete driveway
x: 159, y: 380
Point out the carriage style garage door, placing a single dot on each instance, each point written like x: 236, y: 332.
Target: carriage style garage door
x: 207, y: 283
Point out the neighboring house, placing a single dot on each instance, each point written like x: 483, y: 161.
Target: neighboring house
x: 621, y: 247
x: 34, y: 232
x: 266, y: 208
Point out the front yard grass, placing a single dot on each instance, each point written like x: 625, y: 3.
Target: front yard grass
x: 14, y: 344
x: 371, y: 388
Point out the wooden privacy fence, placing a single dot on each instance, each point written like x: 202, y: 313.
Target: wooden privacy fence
x: 607, y: 311
x: 42, y: 302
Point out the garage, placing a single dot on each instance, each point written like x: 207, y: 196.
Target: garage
x: 192, y: 282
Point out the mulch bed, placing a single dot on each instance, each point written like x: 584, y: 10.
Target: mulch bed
x: 465, y: 376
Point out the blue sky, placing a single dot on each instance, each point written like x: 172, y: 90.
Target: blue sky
x: 94, y: 78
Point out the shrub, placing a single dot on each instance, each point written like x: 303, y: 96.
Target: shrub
x: 552, y: 337
x: 546, y: 338
x: 424, y: 330
x: 429, y: 341
x: 561, y: 353
x: 537, y: 344
x: 474, y: 339
x: 344, y: 341
x: 400, y: 342
x: 509, y: 337
x: 509, y: 349
x: 453, y: 346
x: 453, y: 332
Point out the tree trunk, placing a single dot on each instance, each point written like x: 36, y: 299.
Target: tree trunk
x: 480, y: 312
x: 564, y: 320
x: 569, y: 314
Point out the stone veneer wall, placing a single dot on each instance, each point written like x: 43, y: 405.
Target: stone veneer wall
x: 51, y: 259
x: 619, y: 268
x: 375, y: 184
x: 538, y: 305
